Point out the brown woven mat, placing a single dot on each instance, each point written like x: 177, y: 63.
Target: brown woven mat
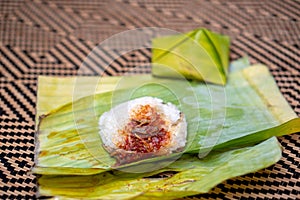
x: 53, y: 37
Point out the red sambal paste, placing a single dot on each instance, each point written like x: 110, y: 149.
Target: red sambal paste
x: 146, y: 132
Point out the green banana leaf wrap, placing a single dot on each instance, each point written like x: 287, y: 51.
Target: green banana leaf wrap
x: 73, y: 163
x: 199, y: 55
x: 190, y: 176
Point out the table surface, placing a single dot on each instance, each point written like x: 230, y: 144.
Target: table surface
x: 53, y: 38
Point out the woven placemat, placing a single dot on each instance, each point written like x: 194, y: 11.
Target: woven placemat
x: 53, y: 37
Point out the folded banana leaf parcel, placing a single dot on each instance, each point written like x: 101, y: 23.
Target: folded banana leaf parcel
x: 231, y: 131
x: 197, y: 55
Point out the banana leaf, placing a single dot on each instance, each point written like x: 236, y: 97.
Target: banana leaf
x: 248, y: 110
x: 199, y: 55
x: 68, y: 151
x: 190, y: 176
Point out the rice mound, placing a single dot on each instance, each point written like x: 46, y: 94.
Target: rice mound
x: 112, y: 123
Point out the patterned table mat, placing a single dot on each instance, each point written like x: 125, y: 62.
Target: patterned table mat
x: 53, y: 37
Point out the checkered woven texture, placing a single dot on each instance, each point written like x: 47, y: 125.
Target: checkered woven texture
x: 53, y: 37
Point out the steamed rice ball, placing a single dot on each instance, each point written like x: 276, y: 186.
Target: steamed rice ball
x: 143, y: 126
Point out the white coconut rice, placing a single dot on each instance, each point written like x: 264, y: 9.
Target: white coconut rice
x: 111, y: 122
